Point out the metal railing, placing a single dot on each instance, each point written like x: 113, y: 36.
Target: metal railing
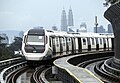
x: 6, y: 63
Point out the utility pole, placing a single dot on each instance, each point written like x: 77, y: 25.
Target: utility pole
x: 96, y: 24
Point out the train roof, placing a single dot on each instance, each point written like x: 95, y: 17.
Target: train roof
x: 79, y: 34
x: 36, y: 32
x: 68, y: 34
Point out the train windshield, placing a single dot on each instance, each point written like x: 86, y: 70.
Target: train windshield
x: 35, y: 39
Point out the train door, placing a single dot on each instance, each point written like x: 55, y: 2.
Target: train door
x: 61, y: 45
x: 104, y: 42
x: 112, y: 40
x: 110, y: 43
x: 70, y: 45
x: 79, y: 45
x: 64, y: 46
x: 101, y: 46
x: 57, y: 46
x: 89, y: 44
x: 50, y: 42
x: 67, y: 47
x: 53, y: 45
x: 97, y: 44
x: 76, y: 45
x: 93, y: 44
x: 73, y: 45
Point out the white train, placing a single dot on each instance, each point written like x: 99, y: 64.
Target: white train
x: 41, y: 44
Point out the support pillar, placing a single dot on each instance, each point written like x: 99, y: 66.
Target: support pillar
x: 113, y: 15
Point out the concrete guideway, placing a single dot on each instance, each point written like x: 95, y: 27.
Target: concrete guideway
x: 79, y: 75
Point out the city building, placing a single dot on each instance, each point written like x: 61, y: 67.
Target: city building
x: 5, y: 39
x: 83, y: 27
x: 63, y: 21
x: 54, y: 28
x: 71, y: 29
x: 100, y: 29
x: 70, y: 26
x: 67, y: 24
x: 110, y: 30
x: 70, y: 18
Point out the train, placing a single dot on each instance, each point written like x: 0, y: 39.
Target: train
x: 42, y: 44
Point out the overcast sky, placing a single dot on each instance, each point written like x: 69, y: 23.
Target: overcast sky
x: 25, y: 14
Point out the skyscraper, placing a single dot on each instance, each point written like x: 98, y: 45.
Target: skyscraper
x: 70, y: 18
x: 63, y: 21
x: 110, y: 30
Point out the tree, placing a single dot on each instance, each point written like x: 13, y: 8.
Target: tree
x: 17, y: 44
x: 1, y: 45
x: 1, y: 38
x: 5, y: 53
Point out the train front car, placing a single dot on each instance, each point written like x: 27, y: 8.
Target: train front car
x: 34, y: 45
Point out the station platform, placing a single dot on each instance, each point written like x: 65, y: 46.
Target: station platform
x: 73, y: 74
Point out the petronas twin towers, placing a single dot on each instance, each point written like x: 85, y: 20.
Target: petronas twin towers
x: 66, y: 22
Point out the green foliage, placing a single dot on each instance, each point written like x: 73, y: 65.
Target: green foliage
x: 8, y: 52
x: 5, y: 53
x: 17, y: 44
x: 1, y: 38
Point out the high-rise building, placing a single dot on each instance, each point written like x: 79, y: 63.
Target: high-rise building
x: 70, y: 18
x: 110, y: 30
x: 63, y: 21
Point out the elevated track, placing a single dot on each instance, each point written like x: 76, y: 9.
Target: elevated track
x: 67, y: 67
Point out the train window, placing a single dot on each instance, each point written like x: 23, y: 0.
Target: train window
x: 57, y: 41
x: 61, y: 40
x: 64, y: 41
x: 96, y: 40
x: 93, y: 42
x: 35, y: 38
x: 53, y: 40
x: 88, y: 40
x: 104, y: 40
x: 50, y: 41
x: 84, y: 41
x: 69, y: 39
x: 100, y: 41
